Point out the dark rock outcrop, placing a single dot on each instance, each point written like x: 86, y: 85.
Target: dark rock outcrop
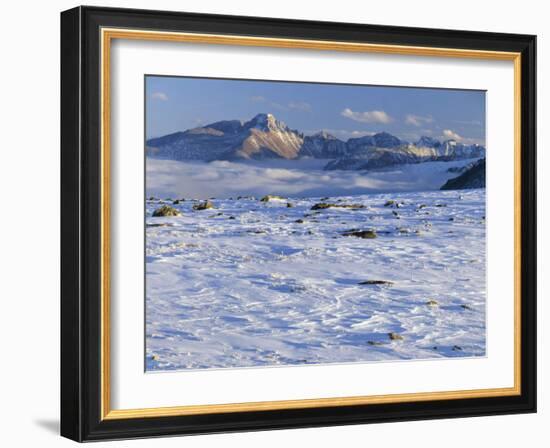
x: 474, y: 177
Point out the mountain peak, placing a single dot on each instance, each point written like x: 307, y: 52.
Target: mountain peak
x: 324, y: 135
x: 427, y: 142
x: 226, y: 126
x: 266, y: 122
x: 385, y: 140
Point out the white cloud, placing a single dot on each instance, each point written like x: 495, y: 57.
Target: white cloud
x: 300, y: 105
x: 293, y: 105
x: 278, y: 106
x: 469, y: 122
x: 372, y: 116
x: 447, y: 133
x: 257, y: 99
x: 418, y: 120
x: 161, y: 96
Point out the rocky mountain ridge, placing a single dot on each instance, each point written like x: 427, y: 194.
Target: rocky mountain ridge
x: 265, y: 137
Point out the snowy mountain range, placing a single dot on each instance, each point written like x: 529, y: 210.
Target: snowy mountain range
x: 265, y: 137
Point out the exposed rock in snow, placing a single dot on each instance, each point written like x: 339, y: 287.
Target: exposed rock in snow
x: 165, y: 210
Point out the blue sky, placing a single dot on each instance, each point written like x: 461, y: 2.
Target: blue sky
x: 178, y: 103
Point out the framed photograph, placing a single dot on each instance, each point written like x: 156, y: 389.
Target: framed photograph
x: 272, y: 223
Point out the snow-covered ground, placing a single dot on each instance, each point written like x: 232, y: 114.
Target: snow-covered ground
x: 253, y: 283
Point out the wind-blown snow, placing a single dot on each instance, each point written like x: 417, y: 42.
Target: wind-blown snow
x: 245, y: 284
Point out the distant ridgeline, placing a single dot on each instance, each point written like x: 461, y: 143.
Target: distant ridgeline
x: 265, y: 137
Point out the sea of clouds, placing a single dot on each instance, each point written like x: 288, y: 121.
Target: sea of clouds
x: 303, y: 178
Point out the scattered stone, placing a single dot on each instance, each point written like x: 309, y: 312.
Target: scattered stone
x: 432, y: 303
x: 166, y: 210
x: 159, y: 225
x: 322, y: 205
x: 203, y: 205
x: 466, y: 307
x: 457, y: 348
x: 375, y: 343
x: 393, y: 203
x: 178, y: 201
x: 441, y: 205
x: 299, y: 221
x: 451, y: 219
x: 155, y: 357
x: 231, y: 217
x: 325, y: 205
x: 376, y: 282
x: 366, y: 234
x: 289, y: 205
x: 421, y: 206
x: 271, y: 197
x: 395, y: 336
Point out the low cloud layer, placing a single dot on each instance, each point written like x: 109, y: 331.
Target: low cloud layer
x: 221, y: 179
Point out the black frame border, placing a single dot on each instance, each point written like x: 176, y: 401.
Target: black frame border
x: 81, y: 223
